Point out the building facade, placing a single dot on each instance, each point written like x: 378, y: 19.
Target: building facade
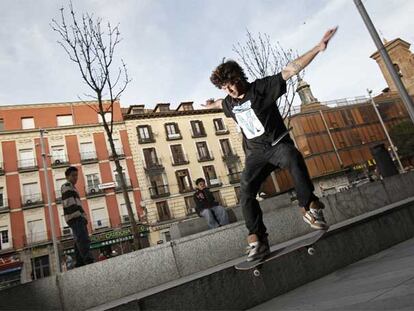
x: 74, y: 137
x: 171, y: 149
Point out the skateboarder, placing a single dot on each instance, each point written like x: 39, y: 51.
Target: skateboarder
x: 207, y: 207
x: 253, y: 106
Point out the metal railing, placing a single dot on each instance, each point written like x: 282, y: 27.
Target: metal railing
x: 101, y: 224
x: 27, y: 164
x: 35, y: 237
x: 92, y: 190
x: 61, y: 160
x: 180, y: 159
x: 153, y: 164
x: 32, y: 199
x: 88, y: 156
x: 234, y: 177
x: 159, y: 191
x: 207, y: 157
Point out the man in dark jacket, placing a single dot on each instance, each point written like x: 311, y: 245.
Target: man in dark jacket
x: 208, y: 207
x: 75, y: 217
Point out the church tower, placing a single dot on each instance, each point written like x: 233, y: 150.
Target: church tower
x: 403, y: 60
x: 309, y: 102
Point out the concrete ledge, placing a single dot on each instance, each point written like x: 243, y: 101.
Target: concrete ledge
x: 230, y: 289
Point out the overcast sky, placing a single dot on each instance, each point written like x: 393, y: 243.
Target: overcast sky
x: 171, y: 46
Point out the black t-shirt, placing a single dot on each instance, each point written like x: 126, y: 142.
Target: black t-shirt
x: 257, y: 114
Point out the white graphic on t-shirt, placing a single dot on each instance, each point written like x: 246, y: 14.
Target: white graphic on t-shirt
x: 248, y: 121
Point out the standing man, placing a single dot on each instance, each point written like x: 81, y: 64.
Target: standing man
x: 253, y: 107
x: 208, y: 207
x: 75, y: 218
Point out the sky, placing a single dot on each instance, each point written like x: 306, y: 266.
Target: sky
x: 171, y: 46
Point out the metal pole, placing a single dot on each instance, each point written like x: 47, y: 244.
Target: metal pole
x: 394, y: 150
x: 330, y: 137
x: 387, y: 60
x: 49, y: 200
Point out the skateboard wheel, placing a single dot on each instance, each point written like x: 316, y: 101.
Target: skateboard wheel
x: 256, y: 272
x: 311, y: 251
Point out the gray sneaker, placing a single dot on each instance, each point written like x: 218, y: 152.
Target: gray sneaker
x: 257, y: 249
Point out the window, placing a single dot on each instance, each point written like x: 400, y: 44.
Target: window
x: 35, y: 231
x: 145, y: 134
x: 150, y: 156
x: 87, y: 151
x: 225, y: 147
x: 1, y: 124
x: 64, y: 120
x: 59, y: 183
x: 58, y: 154
x: 163, y: 211
x: 40, y: 267
x: 211, y: 176
x: 26, y: 158
x: 4, y: 238
x: 118, y: 146
x: 28, y: 123
x: 184, y: 180
x: 118, y: 180
x: 237, y: 191
x: 31, y: 193
x: 178, y: 154
x: 108, y: 117
x: 202, y: 149
x: 219, y: 125
x: 172, y: 131
x: 190, y: 205
x: 197, y: 128
x: 92, y: 181
x: 2, y: 200
x: 99, y: 218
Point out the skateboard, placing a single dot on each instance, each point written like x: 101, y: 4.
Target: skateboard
x: 281, y: 136
x: 307, y: 241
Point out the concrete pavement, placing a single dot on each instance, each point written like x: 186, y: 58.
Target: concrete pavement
x: 384, y: 281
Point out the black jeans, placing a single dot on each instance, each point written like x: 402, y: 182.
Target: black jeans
x: 82, y: 242
x: 259, y: 164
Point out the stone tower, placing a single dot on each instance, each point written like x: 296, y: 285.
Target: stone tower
x: 403, y: 60
x: 309, y: 102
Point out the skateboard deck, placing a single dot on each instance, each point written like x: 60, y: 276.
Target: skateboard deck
x: 281, y: 136
x: 306, y: 241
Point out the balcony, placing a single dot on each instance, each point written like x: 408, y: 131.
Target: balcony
x: 234, y: 178
x: 88, y: 157
x: 1, y: 169
x: 4, y: 206
x: 154, y: 167
x: 32, y: 200
x: 159, y: 191
x: 230, y: 157
x: 146, y: 140
x: 93, y: 191
x: 118, y: 187
x: 205, y: 157
x: 60, y: 161
x: 33, y: 238
x: 120, y: 153
x: 179, y: 160
x: 27, y: 165
x: 101, y: 224
x: 185, y: 190
x: 211, y: 183
x: 174, y: 136
x: 223, y: 131
x: 195, y: 134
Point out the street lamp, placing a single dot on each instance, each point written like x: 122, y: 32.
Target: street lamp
x: 394, y: 150
x: 49, y: 199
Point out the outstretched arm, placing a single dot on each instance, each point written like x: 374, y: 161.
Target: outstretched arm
x: 301, y: 62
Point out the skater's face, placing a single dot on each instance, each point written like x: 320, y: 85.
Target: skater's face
x: 235, y: 90
x: 201, y: 185
x: 73, y: 177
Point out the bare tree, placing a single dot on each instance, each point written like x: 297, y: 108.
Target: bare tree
x: 261, y: 58
x: 91, y: 46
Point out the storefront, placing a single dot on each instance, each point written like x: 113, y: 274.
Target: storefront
x: 111, y: 243
x: 10, y: 271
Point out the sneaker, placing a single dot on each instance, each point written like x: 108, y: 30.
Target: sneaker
x: 257, y: 249
x: 314, y: 216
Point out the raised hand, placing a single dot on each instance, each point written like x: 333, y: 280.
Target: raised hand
x: 323, y: 44
x: 212, y: 104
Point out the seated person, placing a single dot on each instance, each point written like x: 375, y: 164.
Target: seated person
x: 207, y: 206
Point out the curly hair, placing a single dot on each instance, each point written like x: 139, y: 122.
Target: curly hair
x: 227, y: 72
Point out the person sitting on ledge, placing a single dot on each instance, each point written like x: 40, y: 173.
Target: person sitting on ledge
x: 208, y: 207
